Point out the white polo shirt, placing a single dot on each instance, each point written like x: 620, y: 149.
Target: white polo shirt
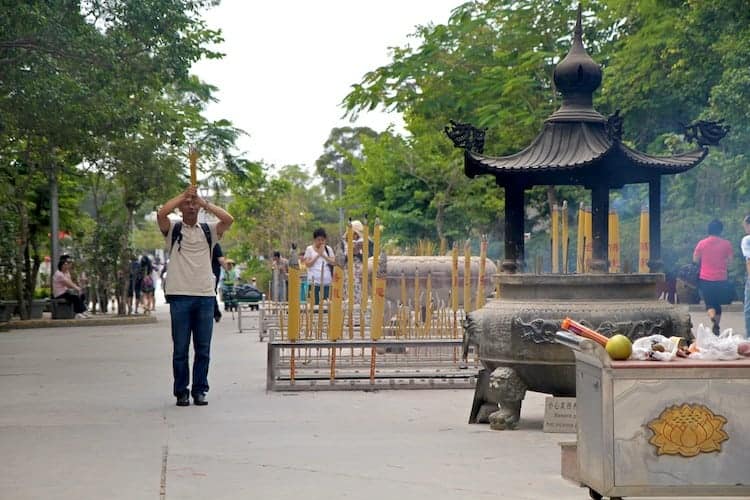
x: 189, y: 269
x: 745, y: 245
x: 318, y: 272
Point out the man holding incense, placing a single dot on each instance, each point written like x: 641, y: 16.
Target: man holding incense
x: 190, y: 288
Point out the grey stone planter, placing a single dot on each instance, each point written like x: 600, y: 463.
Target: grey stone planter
x: 6, y: 310
x: 37, y: 308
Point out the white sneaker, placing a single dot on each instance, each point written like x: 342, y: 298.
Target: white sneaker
x: 86, y: 314
x: 80, y: 316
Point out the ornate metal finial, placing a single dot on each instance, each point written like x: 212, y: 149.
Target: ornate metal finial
x: 467, y: 136
x: 293, y: 260
x: 614, y: 126
x: 577, y: 77
x: 706, y: 133
x: 578, y: 30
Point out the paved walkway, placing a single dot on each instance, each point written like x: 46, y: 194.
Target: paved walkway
x: 88, y: 413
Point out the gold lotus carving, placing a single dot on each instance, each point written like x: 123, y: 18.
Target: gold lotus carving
x: 687, y: 430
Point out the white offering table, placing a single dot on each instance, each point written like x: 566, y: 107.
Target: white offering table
x: 651, y: 428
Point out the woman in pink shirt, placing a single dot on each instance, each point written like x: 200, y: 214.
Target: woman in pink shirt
x: 713, y: 253
x: 63, y: 287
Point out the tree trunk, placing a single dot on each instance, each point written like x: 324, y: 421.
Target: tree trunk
x: 97, y: 267
x: 439, y: 221
x: 124, y: 281
x: 54, y: 222
x: 23, y: 271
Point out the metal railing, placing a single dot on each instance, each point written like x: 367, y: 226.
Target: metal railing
x: 367, y: 365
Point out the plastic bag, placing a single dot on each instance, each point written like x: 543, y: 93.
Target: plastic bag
x: 723, y: 347
x: 654, y: 347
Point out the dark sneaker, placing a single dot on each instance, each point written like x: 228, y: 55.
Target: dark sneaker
x: 200, y: 400
x: 183, y: 400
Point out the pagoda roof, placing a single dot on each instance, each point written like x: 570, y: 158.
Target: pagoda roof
x: 580, y: 149
x: 577, y: 145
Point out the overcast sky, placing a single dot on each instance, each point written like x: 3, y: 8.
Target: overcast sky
x: 289, y: 64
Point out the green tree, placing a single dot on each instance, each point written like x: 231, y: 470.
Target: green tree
x: 672, y: 63
x: 272, y: 213
x: 666, y: 64
x: 335, y: 163
x: 490, y: 65
x: 117, y: 76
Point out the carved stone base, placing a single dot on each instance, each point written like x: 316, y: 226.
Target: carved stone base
x: 510, y: 391
x: 483, y: 416
x: 498, y: 398
x: 507, y: 417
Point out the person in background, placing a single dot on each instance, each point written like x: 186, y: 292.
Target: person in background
x: 163, y: 276
x: 280, y: 268
x: 745, y: 245
x: 229, y: 273
x: 83, y: 282
x: 148, y: 285
x: 358, y: 252
x: 217, y: 262
x: 63, y: 287
x: 301, y: 263
x: 228, y: 283
x: 155, y: 273
x: 319, y: 259
x: 303, y: 284
x: 713, y: 253
x: 190, y: 290
x: 135, y: 285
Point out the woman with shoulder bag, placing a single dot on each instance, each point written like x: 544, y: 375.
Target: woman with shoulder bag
x: 714, y: 254
x: 319, y: 260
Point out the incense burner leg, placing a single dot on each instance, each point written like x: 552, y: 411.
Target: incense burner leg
x: 470, y: 339
x: 484, y: 403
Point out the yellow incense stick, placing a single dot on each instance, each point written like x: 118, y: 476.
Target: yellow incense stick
x: 565, y: 238
x: 193, y: 166
x: 467, y: 276
x: 644, y: 249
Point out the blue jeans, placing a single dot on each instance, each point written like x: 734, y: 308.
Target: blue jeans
x: 191, y: 315
x: 326, y: 293
x: 747, y: 307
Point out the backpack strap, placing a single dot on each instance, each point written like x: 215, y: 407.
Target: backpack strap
x: 207, y: 233
x: 177, y: 236
x: 330, y: 266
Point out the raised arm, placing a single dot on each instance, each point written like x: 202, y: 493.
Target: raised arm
x: 308, y: 259
x: 225, y: 218
x: 162, y: 215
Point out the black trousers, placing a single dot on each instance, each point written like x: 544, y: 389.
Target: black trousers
x: 76, y: 300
